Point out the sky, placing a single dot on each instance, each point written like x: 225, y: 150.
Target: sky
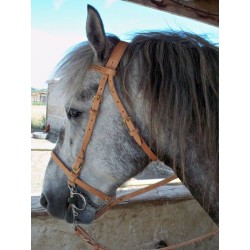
x: 58, y: 25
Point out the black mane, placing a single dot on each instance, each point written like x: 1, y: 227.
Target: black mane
x: 178, y: 80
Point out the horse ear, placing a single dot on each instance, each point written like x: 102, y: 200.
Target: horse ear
x: 95, y: 33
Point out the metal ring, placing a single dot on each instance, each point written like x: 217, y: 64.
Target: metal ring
x: 83, y: 199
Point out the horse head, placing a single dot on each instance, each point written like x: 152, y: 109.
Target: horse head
x: 111, y: 156
x: 173, y: 104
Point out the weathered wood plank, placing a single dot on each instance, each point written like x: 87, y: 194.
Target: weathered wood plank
x: 206, y: 11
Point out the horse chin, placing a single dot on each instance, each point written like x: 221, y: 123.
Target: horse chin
x: 86, y: 216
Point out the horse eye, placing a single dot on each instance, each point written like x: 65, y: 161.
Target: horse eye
x: 73, y: 113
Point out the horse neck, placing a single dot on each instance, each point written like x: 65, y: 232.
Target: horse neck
x: 193, y: 163
x: 200, y: 176
x: 194, y: 166
x: 198, y: 171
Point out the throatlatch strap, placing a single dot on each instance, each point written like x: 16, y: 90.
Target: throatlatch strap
x: 133, y: 131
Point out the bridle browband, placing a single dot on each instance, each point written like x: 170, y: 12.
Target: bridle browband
x: 108, y: 73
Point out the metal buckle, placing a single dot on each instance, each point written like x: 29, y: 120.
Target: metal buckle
x: 127, y: 119
x: 79, y: 161
x: 97, y: 97
x: 76, y: 171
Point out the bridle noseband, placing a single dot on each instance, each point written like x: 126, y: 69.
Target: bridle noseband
x: 108, y: 73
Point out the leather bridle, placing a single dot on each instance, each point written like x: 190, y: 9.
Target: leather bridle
x: 108, y: 73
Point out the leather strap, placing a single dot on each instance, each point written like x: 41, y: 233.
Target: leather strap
x: 79, y: 231
x: 107, y: 71
x: 133, y: 131
x: 133, y: 194
x: 189, y: 242
x: 96, y: 101
x: 79, y: 182
x: 112, y: 200
x: 97, y: 246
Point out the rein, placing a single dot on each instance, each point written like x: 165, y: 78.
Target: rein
x: 108, y: 73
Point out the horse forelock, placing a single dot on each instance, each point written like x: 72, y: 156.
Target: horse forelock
x: 71, y: 70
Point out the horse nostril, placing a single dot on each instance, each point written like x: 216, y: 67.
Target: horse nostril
x: 43, y: 201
